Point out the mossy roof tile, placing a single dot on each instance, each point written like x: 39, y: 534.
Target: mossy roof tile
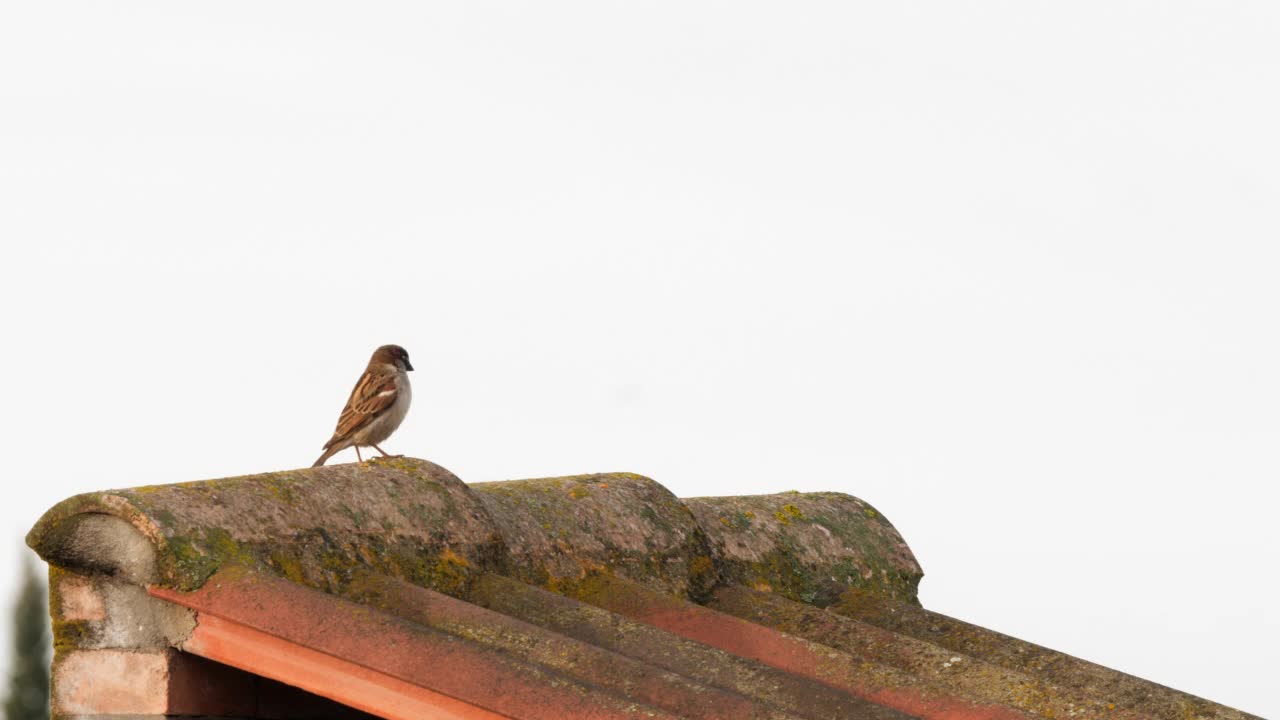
x: 393, y: 587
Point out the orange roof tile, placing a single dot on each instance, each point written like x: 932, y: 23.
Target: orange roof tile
x: 393, y: 588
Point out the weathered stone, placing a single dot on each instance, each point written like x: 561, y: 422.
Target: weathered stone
x: 407, y: 518
x: 809, y: 547
x: 414, y: 520
x: 559, y: 530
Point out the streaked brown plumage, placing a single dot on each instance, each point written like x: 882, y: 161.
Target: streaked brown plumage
x: 377, y: 405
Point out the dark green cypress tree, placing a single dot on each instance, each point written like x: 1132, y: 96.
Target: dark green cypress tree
x: 29, y: 673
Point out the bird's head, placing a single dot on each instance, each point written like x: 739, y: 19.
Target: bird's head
x: 391, y: 355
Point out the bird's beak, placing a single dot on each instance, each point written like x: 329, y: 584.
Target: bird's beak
x: 407, y: 366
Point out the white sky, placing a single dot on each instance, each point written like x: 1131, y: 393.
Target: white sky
x: 1005, y: 270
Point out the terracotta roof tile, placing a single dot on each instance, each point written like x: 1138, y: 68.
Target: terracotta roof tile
x: 396, y: 589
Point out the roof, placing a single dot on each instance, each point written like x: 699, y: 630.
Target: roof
x: 394, y: 588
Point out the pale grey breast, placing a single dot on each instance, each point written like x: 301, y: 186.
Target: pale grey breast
x: 381, y: 427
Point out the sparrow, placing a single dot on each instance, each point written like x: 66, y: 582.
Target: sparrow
x: 377, y: 405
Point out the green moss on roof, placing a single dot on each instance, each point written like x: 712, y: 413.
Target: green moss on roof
x: 312, y: 526
x: 414, y: 520
x: 562, y: 529
x: 809, y: 547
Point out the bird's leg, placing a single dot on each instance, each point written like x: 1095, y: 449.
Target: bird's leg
x: 358, y: 458
x: 384, y: 452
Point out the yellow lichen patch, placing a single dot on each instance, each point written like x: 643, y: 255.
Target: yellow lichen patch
x: 452, y: 572
x: 703, y: 576
x: 448, y: 555
x: 701, y: 565
x: 288, y: 566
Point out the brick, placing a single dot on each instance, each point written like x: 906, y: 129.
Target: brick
x: 102, y: 682
x: 159, y: 682
x: 79, y: 599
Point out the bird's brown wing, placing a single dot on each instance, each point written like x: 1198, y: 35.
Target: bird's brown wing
x: 374, y: 392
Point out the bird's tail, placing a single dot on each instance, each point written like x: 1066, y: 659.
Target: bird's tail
x: 328, y: 453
